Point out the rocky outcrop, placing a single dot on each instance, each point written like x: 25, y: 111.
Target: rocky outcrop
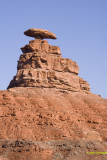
x: 47, y: 112
x: 41, y: 65
x: 84, y: 85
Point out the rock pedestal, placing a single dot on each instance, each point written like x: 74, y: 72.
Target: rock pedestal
x: 41, y: 65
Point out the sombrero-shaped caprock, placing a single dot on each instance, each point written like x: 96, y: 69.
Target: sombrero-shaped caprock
x: 40, y: 33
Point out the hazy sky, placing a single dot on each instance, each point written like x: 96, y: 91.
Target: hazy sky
x: 80, y: 27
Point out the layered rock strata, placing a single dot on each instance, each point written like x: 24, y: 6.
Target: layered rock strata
x: 38, y: 122
x: 41, y: 65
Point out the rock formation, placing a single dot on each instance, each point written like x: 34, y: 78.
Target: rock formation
x: 40, y: 33
x: 52, y: 124
x: 48, y: 111
x: 41, y: 65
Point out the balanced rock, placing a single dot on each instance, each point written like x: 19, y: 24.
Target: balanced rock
x: 41, y: 65
x: 50, y: 114
x: 40, y: 33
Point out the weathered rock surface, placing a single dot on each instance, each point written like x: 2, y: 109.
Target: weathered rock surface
x: 40, y: 33
x: 51, y: 114
x: 41, y: 65
x: 48, y: 111
x: 49, y: 123
x: 52, y: 150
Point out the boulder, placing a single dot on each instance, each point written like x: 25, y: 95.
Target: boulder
x: 40, y: 33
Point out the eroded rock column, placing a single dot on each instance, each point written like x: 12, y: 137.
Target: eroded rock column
x: 41, y: 65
